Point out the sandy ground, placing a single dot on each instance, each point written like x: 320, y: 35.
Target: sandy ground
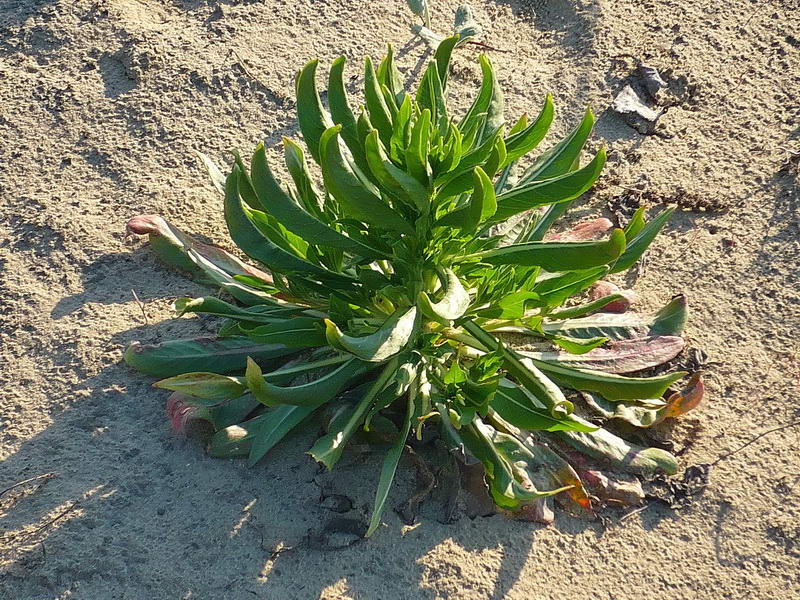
x: 102, y: 103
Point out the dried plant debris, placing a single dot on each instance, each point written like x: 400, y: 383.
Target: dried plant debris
x: 679, y: 493
x: 624, y: 205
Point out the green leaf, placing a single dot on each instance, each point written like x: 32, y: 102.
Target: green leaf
x: 379, y: 113
x: 390, y: 77
x: 388, y: 470
x: 442, y: 57
x: 311, y: 116
x: 610, y: 386
x: 636, y: 224
x: 545, y: 221
x: 300, y: 332
x: 204, y: 386
x: 522, y: 409
x: 253, y: 243
x: 397, y: 181
x: 387, y: 341
x: 431, y: 96
x: 561, y: 157
x: 481, y: 206
x: 578, y: 345
x: 586, y: 308
x: 480, y: 106
x: 342, y: 113
x: 275, y: 425
x: 643, y: 239
x: 561, y: 188
x: 353, y: 194
x: 215, y: 355
x: 328, y: 449
x: 522, y: 142
x: 277, y: 203
x: 312, y: 394
x: 417, y: 152
x: 211, y: 305
x: 454, y: 302
x: 557, y: 256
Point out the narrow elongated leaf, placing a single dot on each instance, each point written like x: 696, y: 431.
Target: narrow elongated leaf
x: 328, y: 449
x: 620, y: 454
x: 442, y: 56
x: 586, y: 308
x: 343, y: 115
x: 561, y: 188
x: 275, y: 425
x: 525, y: 372
x: 250, y: 239
x: 312, y: 394
x: 558, y: 256
x: 204, y: 386
x: 561, y: 157
x: 545, y: 221
x: 637, y: 246
x: 396, y: 180
x: 278, y: 203
x: 387, y: 341
x: 214, y: 355
x: 352, y: 194
x: 522, y: 142
x: 311, y: 116
x: 388, y: 470
x: 669, y: 321
x: 453, y: 304
x: 174, y: 247
x: 636, y: 224
x: 625, y: 356
x: 522, y: 409
x: 611, y: 386
x: 480, y: 106
x: 379, y: 113
x: 300, y: 332
x: 211, y: 305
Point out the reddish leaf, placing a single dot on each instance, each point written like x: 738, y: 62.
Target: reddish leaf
x: 601, y: 289
x: 622, y: 356
x: 590, y: 230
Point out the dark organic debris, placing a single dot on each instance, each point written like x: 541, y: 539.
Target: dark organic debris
x: 679, y: 493
x: 424, y: 486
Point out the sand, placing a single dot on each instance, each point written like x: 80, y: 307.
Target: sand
x: 102, y: 103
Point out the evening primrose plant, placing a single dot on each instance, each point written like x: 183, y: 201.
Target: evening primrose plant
x: 389, y: 280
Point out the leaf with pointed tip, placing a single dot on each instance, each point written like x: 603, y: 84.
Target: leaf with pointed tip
x: 557, y: 256
x: 669, y: 321
x: 312, y: 394
x: 481, y: 206
x: 522, y: 409
x: 384, y: 343
x: 637, y: 246
x: 278, y: 203
x: 215, y: 355
x: 210, y: 387
x: 561, y: 157
x: 620, y: 454
x: 379, y: 113
x: 636, y: 224
x: 442, y: 56
x: 397, y: 181
x: 388, y: 470
x: 300, y: 332
x: 211, y: 305
x: 522, y: 142
x: 275, y: 425
x: 578, y: 345
x: 328, y: 449
x: 253, y: 243
x: 311, y: 116
x: 611, y: 386
x: 343, y: 115
x: 354, y: 195
x: 561, y: 188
